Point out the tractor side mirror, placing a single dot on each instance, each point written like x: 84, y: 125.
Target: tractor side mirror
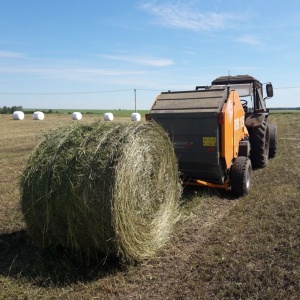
x: 269, y: 89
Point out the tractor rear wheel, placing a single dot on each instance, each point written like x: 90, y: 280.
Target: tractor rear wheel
x: 260, y: 140
x: 273, y: 140
x: 240, y: 174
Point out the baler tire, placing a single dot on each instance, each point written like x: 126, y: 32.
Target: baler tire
x: 273, y: 140
x: 240, y: 174
x: 260, y: 140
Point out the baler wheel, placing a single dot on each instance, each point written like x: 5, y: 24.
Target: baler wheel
x: 241, y: 172
x: 273, y: 140
x: 260, y: 140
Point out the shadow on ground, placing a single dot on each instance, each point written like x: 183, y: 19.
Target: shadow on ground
x: 20, y: 258
x: 190, y: 192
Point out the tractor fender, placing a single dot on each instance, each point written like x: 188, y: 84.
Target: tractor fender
x: 254, y: 120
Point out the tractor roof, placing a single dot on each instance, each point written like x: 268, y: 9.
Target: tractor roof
x: 238, y: 79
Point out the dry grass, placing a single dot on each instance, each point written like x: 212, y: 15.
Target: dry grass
x: 221, y: 249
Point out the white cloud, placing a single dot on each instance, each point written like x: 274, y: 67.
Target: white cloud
x: 249, y: 40
x: 155, y: 62
x: 9, y: 54
x: 188, y: 52
x: 183, y: 16
x: 75, y: 73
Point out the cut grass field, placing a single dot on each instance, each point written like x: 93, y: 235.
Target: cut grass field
x: 222, y: 248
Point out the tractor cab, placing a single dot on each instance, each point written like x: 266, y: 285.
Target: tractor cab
x: 250, y: 91
x: 262, y: 135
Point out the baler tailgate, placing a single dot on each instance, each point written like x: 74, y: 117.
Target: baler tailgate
x: 191, y: 120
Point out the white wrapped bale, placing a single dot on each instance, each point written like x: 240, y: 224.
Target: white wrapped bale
x: 76, y: 115
x: 38, y: 115
x: 136, y: 117
x: 108, y: 116
x: 18, y: 115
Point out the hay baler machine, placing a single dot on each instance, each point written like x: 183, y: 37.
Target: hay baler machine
x: 214, y: 132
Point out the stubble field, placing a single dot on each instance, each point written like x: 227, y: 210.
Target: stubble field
x: 222, y: 248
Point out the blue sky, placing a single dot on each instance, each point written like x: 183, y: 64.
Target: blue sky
x: 93, y: 54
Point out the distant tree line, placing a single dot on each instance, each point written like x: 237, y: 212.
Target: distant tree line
x: 285, y: 108
x: 45, y: 111
x: 10, y: 110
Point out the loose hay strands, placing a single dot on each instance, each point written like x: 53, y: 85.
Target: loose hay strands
x: 102, y: 187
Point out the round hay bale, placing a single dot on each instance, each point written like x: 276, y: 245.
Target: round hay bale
x: 18, y: 115
x: 76, y: 115
x: 102, y: 188
x: 136, y: 117
x: 108, y: 116
x: 38, y: 115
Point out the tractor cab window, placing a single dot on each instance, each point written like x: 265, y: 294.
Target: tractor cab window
x: 245, y: 92
x: 259, y: 100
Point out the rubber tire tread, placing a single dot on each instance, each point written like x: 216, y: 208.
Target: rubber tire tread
x: 273, y: 140
x: 260, y: 140
x: 239, y: 174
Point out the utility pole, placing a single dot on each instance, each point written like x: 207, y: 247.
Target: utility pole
x: 134, y: 100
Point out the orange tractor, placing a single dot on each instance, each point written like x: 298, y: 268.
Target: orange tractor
x: 216, y: 134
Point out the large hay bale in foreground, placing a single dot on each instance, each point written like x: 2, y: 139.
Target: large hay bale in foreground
x: 102, y: 187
